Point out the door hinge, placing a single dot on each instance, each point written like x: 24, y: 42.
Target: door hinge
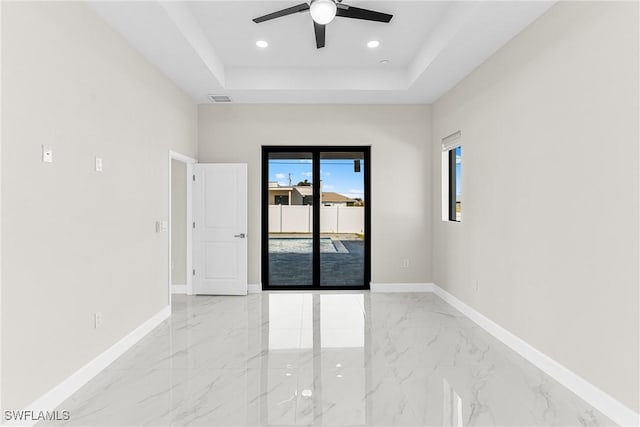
x: 194, y: 271
x: 194, y: 224
x: 194, y: 178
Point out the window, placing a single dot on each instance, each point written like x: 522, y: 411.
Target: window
x: 455, y: 199
x: 281, y: 200
x: 452, y: 178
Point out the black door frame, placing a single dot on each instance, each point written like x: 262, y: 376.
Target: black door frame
x: 315, y: 152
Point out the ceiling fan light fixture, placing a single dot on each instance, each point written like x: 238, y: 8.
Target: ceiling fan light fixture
x: 323, y: 11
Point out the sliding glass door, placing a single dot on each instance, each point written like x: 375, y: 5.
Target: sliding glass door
x: 342, y: 218
x: 316, y: 220
x: 290, y: 219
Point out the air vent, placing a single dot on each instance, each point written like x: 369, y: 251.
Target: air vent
x: 219, y: 98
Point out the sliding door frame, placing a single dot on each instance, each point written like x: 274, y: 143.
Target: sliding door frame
x: 315, y: 152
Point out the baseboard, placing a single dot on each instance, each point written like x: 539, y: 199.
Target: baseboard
x: 401, y: 287
x: 178, y: 289
x: 254, y: 288
x: 591, y: 394
x: 54, y: 397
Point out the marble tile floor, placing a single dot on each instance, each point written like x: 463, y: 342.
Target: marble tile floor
x: 323, y: 359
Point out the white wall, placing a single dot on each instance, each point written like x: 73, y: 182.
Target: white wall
x: 74, y: 241
x: 350, y: 219
x: 550, y: 181
x: 295, y: 218
x: 299, y: 219
x: 328, y: 219
x: 400, y: 182
x: 178, y: 222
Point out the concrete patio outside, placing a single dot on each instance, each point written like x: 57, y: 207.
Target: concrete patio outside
x: 340, y: 268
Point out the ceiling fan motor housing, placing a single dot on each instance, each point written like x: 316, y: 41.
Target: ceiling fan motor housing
x: 323, y: 11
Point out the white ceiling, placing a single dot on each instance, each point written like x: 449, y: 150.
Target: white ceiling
x: 208, y: 47
x: 292, y: 40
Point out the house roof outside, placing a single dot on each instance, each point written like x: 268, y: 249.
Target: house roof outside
x: 327, y: 197
x: 331, y: 197
x: 279, y: 188
x: 305, y: 190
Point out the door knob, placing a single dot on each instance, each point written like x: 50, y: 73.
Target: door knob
x: 241, y: 235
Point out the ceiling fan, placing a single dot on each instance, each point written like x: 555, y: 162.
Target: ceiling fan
x: 323, y: 11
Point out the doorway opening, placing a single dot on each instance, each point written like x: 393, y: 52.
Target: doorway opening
x: 179, y: 230
x: 316, y: 219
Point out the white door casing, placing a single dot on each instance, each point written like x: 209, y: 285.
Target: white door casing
x: 220, y: 229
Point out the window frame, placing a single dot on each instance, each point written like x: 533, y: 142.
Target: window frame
x: 279, y: 198
x: 316, y: 152
x: 453, y: 199
x: 450, y: 145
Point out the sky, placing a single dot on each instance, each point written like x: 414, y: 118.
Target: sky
x: 337, y: 176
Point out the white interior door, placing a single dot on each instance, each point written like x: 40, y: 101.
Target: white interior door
x: 220, y: 229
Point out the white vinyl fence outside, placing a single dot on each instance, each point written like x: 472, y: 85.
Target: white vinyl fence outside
x: 299, y: 219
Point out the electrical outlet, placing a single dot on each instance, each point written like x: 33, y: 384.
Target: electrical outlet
x: 97, y: 320
x: 405, y: 263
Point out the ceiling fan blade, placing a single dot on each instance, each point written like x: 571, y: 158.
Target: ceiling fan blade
x: 284, y: 12
x: 365, y: 14
x: 321, y: 31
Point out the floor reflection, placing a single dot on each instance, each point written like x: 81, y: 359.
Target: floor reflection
x: 329, y: 335
x: 323, y: 359
x: 452, y: 406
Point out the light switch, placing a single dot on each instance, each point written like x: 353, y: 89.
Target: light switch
x: 98, y: 164
x: 164, y: 225
x: 97, y: 320
x: 47, y: 154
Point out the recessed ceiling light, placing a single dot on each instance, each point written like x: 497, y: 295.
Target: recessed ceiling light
x: 373, y: 44
x: 384, y: 61
x: 262, y: 44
